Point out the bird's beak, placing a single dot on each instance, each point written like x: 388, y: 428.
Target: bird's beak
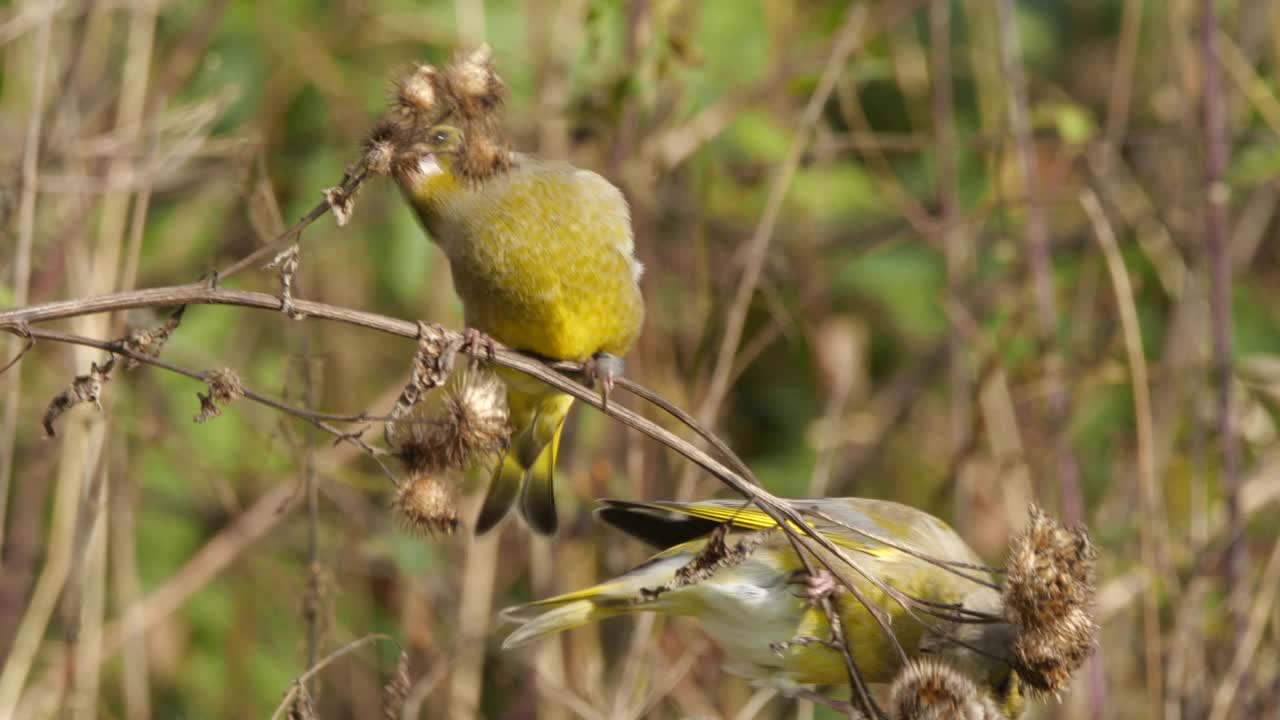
x: 429, y: 166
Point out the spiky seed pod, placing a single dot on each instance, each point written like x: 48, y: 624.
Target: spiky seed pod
x: 929, y: 689
x: 383, y: 144
x: 418, y: 92
x: 475, y: 419
x: 469, y: 426
x: 425, y: 505
x: 475, y: 86
x: 1049, y: 593
x: 483, y: 155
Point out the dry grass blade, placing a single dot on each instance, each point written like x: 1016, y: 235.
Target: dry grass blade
x: 1147, y: 483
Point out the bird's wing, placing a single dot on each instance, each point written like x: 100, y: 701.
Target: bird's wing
x: 665, y: 523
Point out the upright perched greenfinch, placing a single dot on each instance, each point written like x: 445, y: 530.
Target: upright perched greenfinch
x: 733, y: 570
x: 541, y: 255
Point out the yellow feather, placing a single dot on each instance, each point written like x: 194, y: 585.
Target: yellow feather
x: 752, y: 518
x: 542, y: 258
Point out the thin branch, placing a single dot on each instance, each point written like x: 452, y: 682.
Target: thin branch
x: 789, y: 519
x: 303, y: 679
x: 318, y: 419
x: 351, y: 182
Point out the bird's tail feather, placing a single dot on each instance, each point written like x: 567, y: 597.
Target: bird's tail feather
x: 619, y: 596
x: 564, y: 617
x: 538, y: 498
x: 503, y: 489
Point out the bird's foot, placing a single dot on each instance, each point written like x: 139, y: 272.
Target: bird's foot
x: 821, y: 584
x: 601, y: 371
x: 473, y: 343
x: 476, y: 342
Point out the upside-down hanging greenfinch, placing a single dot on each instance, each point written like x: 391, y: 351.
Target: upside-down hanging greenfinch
x: 541, y: 255
x: 750, y: 592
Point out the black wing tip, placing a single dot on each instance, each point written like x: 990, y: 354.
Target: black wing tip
x: 652, y: 523
x: 538, y: 506
x: 497, y: 505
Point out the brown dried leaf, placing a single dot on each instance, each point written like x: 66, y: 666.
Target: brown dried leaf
x: 84, y: 388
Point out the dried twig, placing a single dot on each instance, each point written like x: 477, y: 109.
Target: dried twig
x: 286, y: 262
x: 300, y: 683
x: 1147, y: 484
x: 789, y: 519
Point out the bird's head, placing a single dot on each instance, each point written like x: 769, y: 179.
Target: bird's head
x: 447, y: 159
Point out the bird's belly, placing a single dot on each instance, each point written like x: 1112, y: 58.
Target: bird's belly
x: 566, y: 313
x: 749, y: 610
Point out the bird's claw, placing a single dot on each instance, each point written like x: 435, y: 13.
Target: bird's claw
x: 819, y: 585
x: 475, y: 341
x: 601, y: 371
x: 822, y: 584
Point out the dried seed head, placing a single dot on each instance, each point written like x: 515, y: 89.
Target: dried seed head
x: 224, y: 386
x: 1049, y: 593
x: 929, y: 689
x: 475, y: 87
x: 382, y: 143
x: 483, y: 155
x: 425, y: 506
x: 476, y: 415
x: 406, y: 165
x: 417, y: 93
x: 468, y: 427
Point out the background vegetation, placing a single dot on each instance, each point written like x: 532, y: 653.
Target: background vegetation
x: 898, y: 294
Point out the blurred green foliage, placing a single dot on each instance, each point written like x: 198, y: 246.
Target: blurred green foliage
x: 297, y: 82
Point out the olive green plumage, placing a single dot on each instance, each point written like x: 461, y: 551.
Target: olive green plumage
x: 750, y: 596
x: 541, y: 255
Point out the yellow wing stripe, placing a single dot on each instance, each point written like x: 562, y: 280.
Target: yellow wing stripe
x: 752, y: 518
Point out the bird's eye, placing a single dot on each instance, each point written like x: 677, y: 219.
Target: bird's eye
x: 439, y: 138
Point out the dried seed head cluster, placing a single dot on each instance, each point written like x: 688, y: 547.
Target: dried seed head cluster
x: 929, y: 689
x: 467, y: 94
x: 416, y: 93
x: 425, y: 504
x: 1048, y: 599
x: 469, y: 426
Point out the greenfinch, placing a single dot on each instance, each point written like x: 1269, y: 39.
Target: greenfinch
x: 731, y: 568
x: 542, y: 257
